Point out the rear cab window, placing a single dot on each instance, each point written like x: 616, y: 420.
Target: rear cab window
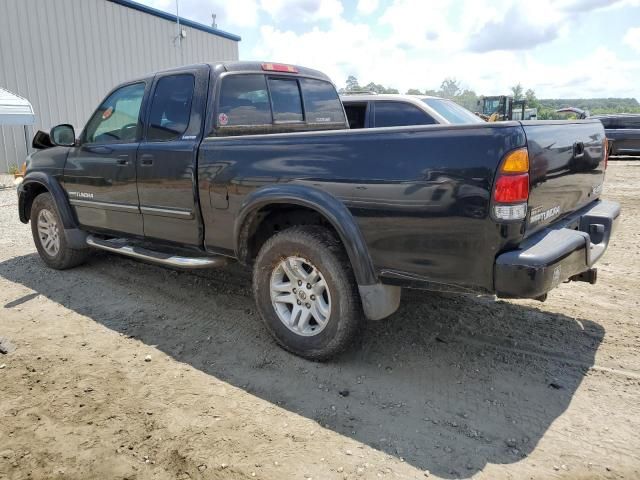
x: 321, y: 102
x: 244, y: 100
x: 263, y: 103
x: 286, y: 101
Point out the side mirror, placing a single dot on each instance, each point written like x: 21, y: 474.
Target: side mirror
x: 41, y: 140
x: 63, y: 135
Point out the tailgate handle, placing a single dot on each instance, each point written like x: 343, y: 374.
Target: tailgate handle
x: 578, y: 150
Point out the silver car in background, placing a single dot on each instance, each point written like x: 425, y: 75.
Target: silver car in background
x: 370, y: 110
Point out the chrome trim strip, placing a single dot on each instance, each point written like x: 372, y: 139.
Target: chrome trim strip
x: 167, y: 212
x: 105, y: 205
x: 118, y: 246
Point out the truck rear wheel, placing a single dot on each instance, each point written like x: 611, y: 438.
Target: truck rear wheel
x: 49, y: 237
x: 306, y: 292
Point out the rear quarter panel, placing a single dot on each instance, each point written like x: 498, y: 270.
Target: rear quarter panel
x: 420, y: 195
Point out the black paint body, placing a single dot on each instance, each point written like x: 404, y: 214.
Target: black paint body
x: 412, y: 205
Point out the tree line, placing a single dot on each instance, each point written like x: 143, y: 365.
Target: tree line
x: 453, y: 89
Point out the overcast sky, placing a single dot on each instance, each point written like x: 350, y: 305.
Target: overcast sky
x: 560, y: 48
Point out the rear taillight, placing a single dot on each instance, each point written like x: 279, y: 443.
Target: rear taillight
x: 605, y: 146
x: 511, y: 189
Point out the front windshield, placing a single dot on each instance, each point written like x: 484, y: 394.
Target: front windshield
x: 491, y: 106
x: 451, y: 111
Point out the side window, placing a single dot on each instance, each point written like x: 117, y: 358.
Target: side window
x: 170, y: 108
x: 285, y: 98
x: 396, y: 114
x: 117, y: 120
x: 321, y: 102
x: 244, y: 100
x: 356, y: 114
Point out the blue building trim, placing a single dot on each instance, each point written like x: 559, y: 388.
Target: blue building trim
x: 173, y: 18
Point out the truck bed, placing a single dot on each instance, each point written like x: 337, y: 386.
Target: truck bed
x: 420, y: 195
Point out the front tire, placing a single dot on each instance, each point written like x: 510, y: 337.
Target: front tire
x: 49, y: 237
x: 306, y: 292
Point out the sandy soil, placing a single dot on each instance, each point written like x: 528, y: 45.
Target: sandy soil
x: 119, y: 369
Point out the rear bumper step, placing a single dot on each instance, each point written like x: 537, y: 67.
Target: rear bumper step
x: 120, y: 246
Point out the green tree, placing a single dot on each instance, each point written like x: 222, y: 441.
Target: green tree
x: 468, y: 99
x: 450, y: 87
x: 374, y: 87
x: 414, y: 91
x: 352, y: 84
x: 516, y: 91
x: 530, y: 96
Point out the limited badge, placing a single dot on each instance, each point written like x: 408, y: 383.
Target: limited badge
x: 223, y: 119
x: 107, y: 113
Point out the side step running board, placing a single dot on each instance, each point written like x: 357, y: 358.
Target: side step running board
x: 120, y: 246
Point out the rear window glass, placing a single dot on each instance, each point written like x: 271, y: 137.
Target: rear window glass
x: 321, y: 102
x: 453, y: 112
x: 244, y: 101
x: 285, y: 97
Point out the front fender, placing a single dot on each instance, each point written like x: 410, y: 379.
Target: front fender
x: 52, y: 185
x: 35, y: 182
x: 331, y: 208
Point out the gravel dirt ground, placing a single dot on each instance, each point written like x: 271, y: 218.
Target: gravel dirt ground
x: 119, y: 369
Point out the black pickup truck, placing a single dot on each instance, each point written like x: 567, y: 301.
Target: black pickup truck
x: 203, y: 165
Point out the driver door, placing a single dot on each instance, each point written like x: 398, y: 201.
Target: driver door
x: 100, y: 174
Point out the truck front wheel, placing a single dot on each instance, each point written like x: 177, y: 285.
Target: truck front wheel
x: 49, y: 237
x: 306, y: 292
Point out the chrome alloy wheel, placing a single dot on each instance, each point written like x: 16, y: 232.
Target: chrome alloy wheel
x: 300, y: 296
x: 48, y: 232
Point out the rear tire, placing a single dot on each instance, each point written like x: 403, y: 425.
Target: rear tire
x: 49, y: 237
x: 306, y: 292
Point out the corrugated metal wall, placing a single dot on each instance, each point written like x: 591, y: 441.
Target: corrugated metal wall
x: 65, y: 55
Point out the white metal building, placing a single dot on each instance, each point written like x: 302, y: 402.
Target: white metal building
x: 65, y: 55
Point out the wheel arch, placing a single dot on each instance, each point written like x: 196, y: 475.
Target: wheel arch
x: 329, y: 209
x: 36, y: 183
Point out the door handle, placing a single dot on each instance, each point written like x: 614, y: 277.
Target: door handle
x: 146, y: 159
x: 123, y: 160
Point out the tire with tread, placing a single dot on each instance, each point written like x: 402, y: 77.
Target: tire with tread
x: 66, y: 257
x: 326, y: 253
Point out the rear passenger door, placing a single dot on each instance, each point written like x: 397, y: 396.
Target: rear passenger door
x: 166, y: 164
x: 398, y: 114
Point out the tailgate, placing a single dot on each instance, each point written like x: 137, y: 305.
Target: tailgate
x: 567, y: 163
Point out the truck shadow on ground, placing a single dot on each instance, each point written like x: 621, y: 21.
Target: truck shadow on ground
x: 448, y: 383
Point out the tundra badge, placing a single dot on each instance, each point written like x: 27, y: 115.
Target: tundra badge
x: 537, y: 214
x: 81, y: 194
